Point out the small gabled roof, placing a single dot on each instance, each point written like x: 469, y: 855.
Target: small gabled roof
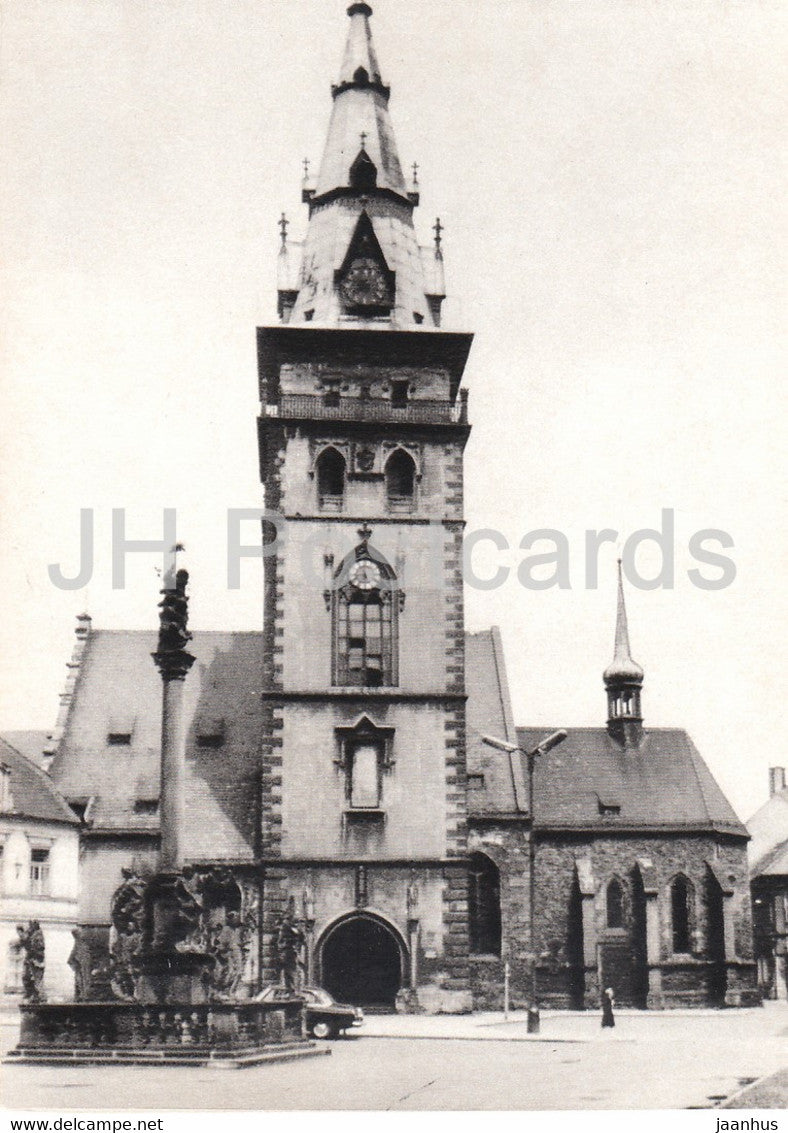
x: 768, y: 827
x: 33, y: 794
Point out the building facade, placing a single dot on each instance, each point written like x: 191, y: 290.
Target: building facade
x: 39, y: 867
x: 768, y: 828
x: 641, y: 877
x: 336, y: 768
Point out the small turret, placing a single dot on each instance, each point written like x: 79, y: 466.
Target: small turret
x: 623, y: 680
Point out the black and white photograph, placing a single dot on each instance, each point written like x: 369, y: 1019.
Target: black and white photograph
x: 393, y: 480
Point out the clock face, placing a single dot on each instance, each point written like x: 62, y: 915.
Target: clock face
x: 365, y: 284
x: 365, y: 574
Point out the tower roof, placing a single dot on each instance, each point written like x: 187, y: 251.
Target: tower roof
x: 359, y: 50
x: 360, y: 186
x: 622, y: 669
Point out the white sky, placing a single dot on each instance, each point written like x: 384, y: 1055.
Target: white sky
x: 610, y: 180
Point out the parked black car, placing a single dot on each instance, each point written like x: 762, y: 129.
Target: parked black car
x: 325, y: 1019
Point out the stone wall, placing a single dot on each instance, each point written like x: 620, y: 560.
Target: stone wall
x: 572, y: 934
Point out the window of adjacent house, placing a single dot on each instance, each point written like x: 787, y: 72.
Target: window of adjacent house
x: 399, y: 395
x: 615, y: 904
x: 119, y: 739
x: 400, y: 481
x: 365, y: 778
x: 146, y: 806
x: 475, y: 781
x: 484, y: 906
x: 331, y: 398
x: 365, y: 638
x: 39, y: 872
x: 330, y: 471
x: 680, y: 914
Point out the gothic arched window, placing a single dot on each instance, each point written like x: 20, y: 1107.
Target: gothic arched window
x: 484, y: 906
x: 330, y: 473
x: 365, y: 607
x: 400, y: 481
x: 680, y: 893
x: 615, y: 904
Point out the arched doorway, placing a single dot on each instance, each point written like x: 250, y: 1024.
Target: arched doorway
x: 362, y: 961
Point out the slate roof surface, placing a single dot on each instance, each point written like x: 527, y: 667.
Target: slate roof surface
x: 32, y: 792
x: 119, y: 687
x: 663, y: 783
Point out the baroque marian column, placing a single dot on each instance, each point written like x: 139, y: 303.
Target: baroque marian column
x: 173, y: 662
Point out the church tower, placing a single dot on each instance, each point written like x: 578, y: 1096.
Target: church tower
x: 362, y: 430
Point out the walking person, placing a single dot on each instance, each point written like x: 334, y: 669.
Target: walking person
x: 608, y: 1003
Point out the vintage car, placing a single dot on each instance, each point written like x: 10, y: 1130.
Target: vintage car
x: 325, y: 1019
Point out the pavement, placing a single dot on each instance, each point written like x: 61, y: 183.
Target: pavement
x: 651, y: 1060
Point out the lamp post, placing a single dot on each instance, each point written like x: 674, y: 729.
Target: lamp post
x: 545, y: 745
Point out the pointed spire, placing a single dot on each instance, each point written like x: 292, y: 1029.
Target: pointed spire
x: 360, y: 64
x: 360, y: 175
x: 623, y: 668
x: 360, y: 110
x: 623, y: 680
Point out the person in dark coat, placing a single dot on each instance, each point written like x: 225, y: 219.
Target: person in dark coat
x: 608, y: 1003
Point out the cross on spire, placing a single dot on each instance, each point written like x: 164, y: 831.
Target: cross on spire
x: 364, y: 532
x: 284, y: 223
x: 306, y: 168
x: 415, y: 172
x: 363, y: 139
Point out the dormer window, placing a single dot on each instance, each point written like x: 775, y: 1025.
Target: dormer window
x: 120, y: 731
x: 210, y: 732
x: 146, y: 806
x: 363, y: 173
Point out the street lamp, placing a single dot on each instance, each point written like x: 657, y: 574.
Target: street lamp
x: 542, y: 748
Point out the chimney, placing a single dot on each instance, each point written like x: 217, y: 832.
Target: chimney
x: 776, y: 780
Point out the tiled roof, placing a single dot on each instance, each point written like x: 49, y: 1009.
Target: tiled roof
x: 662, y: 784
x: 488, y: 713
x: 33, y: 795
x: 30, y: 744
x: 119, y: 689
x: 768, y: 827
